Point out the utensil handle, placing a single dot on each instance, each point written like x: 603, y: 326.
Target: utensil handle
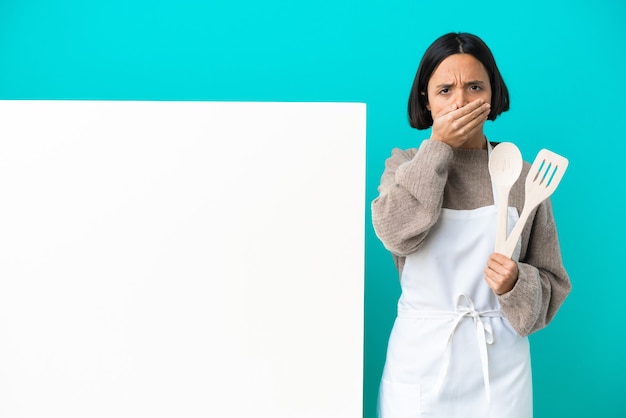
x: 511, y: 242
x: 503, y: 214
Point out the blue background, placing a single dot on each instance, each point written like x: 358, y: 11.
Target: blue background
x: 564, y: 63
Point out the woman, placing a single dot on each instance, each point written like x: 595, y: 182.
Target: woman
x: 459, y: 345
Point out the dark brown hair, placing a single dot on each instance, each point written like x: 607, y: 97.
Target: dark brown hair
x: 446, y: 45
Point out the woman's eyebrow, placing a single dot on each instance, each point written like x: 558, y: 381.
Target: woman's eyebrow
x: 469, y: 83
x: 480, y: 82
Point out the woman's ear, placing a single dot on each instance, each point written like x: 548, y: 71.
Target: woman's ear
x: 427, y: 105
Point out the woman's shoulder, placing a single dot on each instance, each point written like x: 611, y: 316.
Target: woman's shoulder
x: 427, y: 147
x: 403, y: 153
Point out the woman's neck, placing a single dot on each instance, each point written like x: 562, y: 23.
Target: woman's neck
x: 477, y: 142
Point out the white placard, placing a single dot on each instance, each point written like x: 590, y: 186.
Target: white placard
x: 181, y: 259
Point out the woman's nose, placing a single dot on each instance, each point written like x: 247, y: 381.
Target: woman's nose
x: 460, y: 99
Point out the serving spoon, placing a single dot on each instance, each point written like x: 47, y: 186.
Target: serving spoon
x: 505, y: 166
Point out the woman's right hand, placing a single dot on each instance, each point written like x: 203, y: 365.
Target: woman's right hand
x: 455, y: 126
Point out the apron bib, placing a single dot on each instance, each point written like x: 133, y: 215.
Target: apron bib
x: 451, y: 351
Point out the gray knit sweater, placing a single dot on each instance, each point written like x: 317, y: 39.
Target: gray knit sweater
x: 417, y: 183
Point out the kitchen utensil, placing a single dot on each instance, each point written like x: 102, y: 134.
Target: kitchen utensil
x: 505, y: 166
x: 544, y: 176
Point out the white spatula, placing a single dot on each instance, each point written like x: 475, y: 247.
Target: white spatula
x: 505, y: 166
x: 544, y: 176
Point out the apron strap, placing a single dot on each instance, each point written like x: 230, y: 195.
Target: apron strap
x: 484, y: 335
x: 494, y: 190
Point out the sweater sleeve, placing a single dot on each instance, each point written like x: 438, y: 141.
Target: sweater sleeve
x: 410, y: 196
x: 542, y: 283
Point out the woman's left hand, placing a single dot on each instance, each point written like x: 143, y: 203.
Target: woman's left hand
x: 501, y: 273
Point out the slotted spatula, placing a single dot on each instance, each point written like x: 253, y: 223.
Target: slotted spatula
x: 544, y: 176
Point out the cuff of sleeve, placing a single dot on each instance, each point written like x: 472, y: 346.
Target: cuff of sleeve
x: 521, y: 304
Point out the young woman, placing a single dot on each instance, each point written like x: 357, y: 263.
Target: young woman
x: 459, y: 345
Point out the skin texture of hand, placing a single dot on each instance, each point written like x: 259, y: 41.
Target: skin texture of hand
x: 456, y: 126
x: 501, y: 273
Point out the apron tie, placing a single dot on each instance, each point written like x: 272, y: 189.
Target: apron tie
x: 484, y: 335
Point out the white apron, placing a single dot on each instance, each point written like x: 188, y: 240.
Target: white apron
x: 451, y: 352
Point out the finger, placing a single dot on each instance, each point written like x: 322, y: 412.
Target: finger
x: 470, y: 124
x: 501, y: 258
x: 457, y: 112
x: 476, y: 116
x: 471, y: 107
x: 473, y: 126
x: 496, y: 267
x: 502, y: 276
x: 493, y: 271
x: 446, y: 111
x: 503, y: 263
x: 497, y: 258
x: 491, y: 282
x: 495, y: 280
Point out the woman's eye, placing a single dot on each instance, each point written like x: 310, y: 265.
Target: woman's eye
x: 444, y: 91
x: 476, y: 88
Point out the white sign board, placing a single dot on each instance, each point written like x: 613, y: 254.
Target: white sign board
x: 181, y: 259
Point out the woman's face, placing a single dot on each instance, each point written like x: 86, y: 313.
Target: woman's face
x: 459, y: 79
